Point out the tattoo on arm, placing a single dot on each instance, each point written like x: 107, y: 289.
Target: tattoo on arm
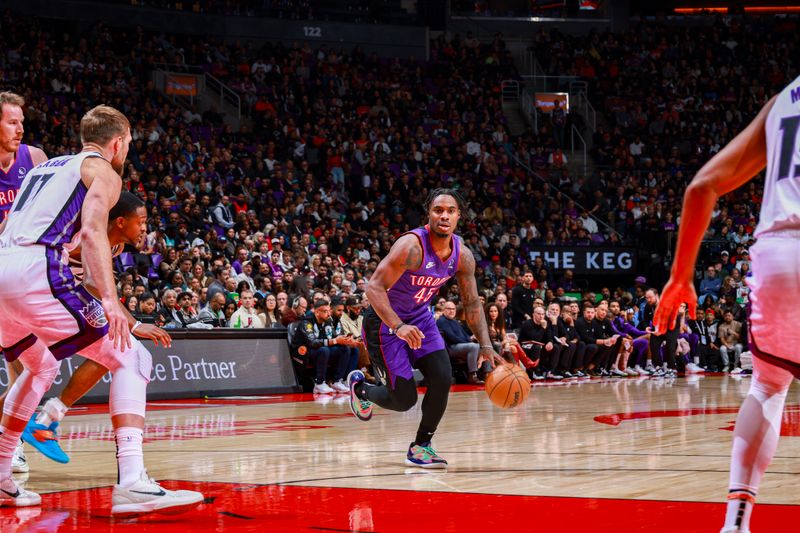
x: 412, y: 258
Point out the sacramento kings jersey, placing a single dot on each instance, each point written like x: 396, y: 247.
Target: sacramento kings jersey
x: 780, y: 209
x: 10, y: 181
x: 411, y: 294
x: 47, y: 209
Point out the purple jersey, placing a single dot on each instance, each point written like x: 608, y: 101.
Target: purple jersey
x: 11, y: 180
x: 411, y: 294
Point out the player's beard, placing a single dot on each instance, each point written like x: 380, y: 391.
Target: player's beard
x: 10, y: 145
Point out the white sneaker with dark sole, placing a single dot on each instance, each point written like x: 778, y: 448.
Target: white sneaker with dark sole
x: 19, y: 463
x: 11, y: 495
x: 147, y: 496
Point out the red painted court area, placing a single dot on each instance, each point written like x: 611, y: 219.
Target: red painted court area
x: 252, y: 508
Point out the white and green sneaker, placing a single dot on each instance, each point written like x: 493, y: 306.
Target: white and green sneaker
x: 424, y: 456
x: 362, y: 409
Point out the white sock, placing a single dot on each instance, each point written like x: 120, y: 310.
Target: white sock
x: 53, y: 410
x: 130, y: 458
x: 739, y: 510
x: 697, y: 360
x: 8, y: 443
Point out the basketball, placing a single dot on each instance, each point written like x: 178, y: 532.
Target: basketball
x: 508, y: 386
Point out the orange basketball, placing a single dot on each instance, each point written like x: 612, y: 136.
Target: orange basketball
x: 508, y: 386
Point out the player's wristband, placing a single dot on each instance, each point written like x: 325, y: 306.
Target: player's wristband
x: 487, y: 347
x: 136, y: 325
x: 393, y: 331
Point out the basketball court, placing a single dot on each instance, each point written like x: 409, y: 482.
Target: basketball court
x: 606, y: 455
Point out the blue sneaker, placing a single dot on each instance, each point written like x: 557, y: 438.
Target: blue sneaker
x: 361, y: 408
x: 424, y: 456
x: 45, y: 439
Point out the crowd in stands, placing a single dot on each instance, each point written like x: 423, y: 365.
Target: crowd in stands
x: 258, y: 227
x: 672, y: 96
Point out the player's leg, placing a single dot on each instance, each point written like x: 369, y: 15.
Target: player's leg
x: 135, y: 493
x: 391, y: 363
x: 40, y: 371
x: 19, y: 464
x: 755, y: 440
x: 41, y: 433
x: 439, y: 377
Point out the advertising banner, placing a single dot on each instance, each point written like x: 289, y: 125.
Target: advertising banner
x: 588, y: 259
x: 204, y: 363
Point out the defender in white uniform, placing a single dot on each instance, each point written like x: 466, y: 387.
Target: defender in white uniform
x: 770, y: 142
x: 48, y: 316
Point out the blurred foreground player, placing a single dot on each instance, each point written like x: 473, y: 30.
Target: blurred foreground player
x: 50, y: 316
x: 400, y: 331
x: 770, y: 141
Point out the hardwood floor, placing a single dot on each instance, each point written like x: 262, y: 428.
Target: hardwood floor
x: 571, y: 458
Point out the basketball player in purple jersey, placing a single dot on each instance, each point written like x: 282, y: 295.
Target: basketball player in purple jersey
x: 399, y: 329
x: 16, y: 159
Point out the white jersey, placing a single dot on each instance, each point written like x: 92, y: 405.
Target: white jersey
x: 47, y: 210
x: 780, y: 209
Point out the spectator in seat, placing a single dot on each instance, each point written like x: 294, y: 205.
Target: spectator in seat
x: 536, y: 338
x: 352, y: 347
x: 184, y: 314
x: 497, y: 326
x: 710, y: 286
x: 729, y: 334
x: 502, y: 303
x: 295, y: 312
x: 246, y: 316
x: 611, y: 341
x: 522, y: 297
x: 459, y: 342
x: 584, y: 325
x: 147, y: 310
x: 352, y: 323
x: 221, y: 214
x: 566, y: 330
x: 271, y: 317
x: 315, y: 343
x: 559, y: 333
x: 214, y: 313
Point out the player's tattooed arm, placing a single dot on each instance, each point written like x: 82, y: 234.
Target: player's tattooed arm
x: 473, y: 311
x: 405, y: 254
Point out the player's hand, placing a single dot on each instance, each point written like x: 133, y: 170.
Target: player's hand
x: 675, y: 293
x: 155, y: 334
x: 548, y: 346
x: 118, y: 328
x: 412, y: 335
x: 490, y: 356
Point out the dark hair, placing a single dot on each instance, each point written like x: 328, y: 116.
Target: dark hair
x: 127, y: 205
x: 145, y: 296
x: 435, y: 193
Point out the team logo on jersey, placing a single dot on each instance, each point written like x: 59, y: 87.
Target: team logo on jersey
x: 430, y: 264
x: 94, y: 314
x: 22, y: 172
x: 450, y: 265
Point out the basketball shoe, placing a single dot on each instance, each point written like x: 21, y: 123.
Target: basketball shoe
x: 424, y: 456
x: 11, y: 495
x: 45, y: 439
x: 19, y: 463
x: 147, y: 496
x: 362, y: 409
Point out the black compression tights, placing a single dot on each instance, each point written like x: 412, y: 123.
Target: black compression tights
x: 438, y: 375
